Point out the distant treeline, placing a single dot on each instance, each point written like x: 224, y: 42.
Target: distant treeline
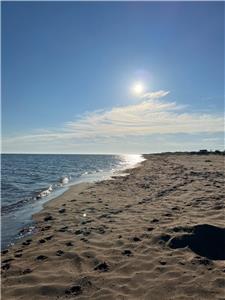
x: 200, y: 152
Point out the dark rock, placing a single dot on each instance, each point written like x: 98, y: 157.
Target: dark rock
x: 62, y: 210
x: 4, y: 252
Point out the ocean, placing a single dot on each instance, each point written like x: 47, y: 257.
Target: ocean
x: 30, y: 180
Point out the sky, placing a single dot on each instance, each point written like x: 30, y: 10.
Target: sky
x: 69, y: 72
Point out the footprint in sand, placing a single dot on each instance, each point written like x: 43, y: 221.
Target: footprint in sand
x: 42, y: 241
x: 74, y: 290
x: 48, y: 238
x: 41, y: 257
x: 69, y: 244
x: 46, y: 228
x: 63, y: 229
x: 102, y: 267
x: 48, y: 218
x: 27, y: 242
x: 26, y: 271
x: 127, y: 253
x: 18, y: 255
x: 5, y: 266
x: 59, y: 253
x: 136, y: 239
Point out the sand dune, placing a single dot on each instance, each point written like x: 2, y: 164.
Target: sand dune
x: 157, y: 233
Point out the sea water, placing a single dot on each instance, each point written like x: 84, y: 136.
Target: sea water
x: 30, y: 180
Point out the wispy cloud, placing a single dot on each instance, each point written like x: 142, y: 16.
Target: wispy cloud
x: 151, y: 115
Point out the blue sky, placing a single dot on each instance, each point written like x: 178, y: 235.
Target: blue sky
x: 68, y: 69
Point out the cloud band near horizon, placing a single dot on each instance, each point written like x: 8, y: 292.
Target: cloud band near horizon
x: 149, y: 116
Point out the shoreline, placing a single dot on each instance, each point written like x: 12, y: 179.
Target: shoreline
x: 28, y: 229
x: 119, y: 238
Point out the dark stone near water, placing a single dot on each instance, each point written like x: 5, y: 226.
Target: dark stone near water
x: 205, y: 240
x: 62, y: 210
x: 136, y: 239
x: 5, y: 251
x: 102, y: 267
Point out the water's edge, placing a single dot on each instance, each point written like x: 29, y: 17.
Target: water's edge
x: 30, y: 229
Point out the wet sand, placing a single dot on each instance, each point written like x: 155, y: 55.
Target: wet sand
x: 157, y: 233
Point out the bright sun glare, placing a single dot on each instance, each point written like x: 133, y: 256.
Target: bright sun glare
x: 138, y: 88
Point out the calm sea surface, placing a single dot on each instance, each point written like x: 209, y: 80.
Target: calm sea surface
x: 30, y: 180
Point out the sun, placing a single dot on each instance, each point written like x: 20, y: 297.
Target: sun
x: 138, y: 88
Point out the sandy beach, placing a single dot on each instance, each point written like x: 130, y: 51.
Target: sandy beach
x: 157, y: 233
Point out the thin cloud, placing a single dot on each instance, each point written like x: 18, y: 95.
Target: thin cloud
x: 149, y: 116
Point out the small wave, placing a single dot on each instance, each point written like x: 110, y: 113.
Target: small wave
x: 44, y: 193
x: 64, y: 180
